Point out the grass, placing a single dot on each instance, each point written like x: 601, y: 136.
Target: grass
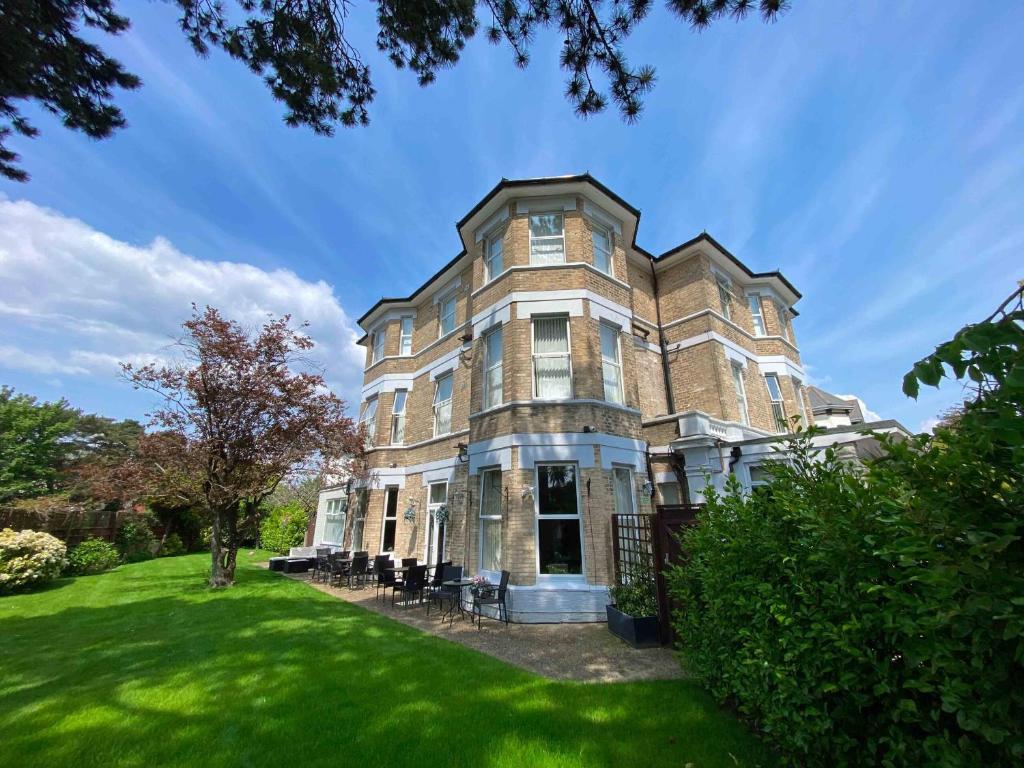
x: 145, y: 666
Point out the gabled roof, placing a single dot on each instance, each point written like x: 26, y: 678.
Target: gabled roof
x: 822, y: 402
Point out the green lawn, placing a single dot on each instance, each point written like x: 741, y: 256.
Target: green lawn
x: 145, y: 666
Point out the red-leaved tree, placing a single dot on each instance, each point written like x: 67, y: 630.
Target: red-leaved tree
x: 240, y: 414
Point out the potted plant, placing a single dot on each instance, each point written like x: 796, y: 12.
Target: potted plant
x: 633, y: 614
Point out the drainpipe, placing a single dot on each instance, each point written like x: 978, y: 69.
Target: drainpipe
x: 669, y: 400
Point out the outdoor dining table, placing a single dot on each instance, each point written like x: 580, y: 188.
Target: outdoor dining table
x: 456, y: 604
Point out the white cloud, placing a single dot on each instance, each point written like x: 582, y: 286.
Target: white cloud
x: 77, y: 302
x: 928, y: 425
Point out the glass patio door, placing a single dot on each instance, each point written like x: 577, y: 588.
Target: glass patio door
x: 436, y: 531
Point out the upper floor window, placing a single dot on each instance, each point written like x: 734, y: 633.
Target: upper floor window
x: 443, y: 405
x: 405, y: 340
x: 754, y: 301
x: 368, y: 419
x: 446, y: 313
x: 378, y: 346
x: 725, y: 297
x: 398, y: 417
x: 781, y: 312
x: 741, y: 393
x: 552, y: 368
x: 798, y: 392
x: 547, y: 238
x: 611, y: 364
x: 602, y: 249
x: 493, y: 372
x: 771, y: 380
x: 494, y: 261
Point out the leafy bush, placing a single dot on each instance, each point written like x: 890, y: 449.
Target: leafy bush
x: 135, y: 540
x: 92, y: 556
x: 29, y: 559
x: 875, y: 615
x: 284, y: 527
x: 637, y: 597
x: 172, y: 546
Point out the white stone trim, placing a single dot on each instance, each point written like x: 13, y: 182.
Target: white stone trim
x: 732, y: 349
x: 648, y: 345
x: 527, y: 309
x: 567, y: 401
x: 446, y: 290
x: 389, y: 382
x: 781, y: 366
x: 546, y: 205
x: 602, y: 217
x: 482, y: 459
x: 564, y: 265
x: 603, y: 309
x: 636, y: 459
x: 495, y: 220
x: 530, y: 455
x: 496, y: 317
x: 380, y: 478
x: 421, y: 443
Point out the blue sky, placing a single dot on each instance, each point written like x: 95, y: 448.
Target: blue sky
x: 872, y: 151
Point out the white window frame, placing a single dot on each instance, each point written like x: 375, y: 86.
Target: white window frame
x: 535, y: 354
x: 335, y: 508
x: 798, y: 393
x: 777, y: 403
x: 377, y: 339
x: 398, y: 416
x: 431, y: 506
x: 405, y: 339
x: 492, y: 397
x: 490, y: 518
x: 724, y: 295
x: 620, y: 395
x: 529, y: 226
x: 780, y: 311
x: 442, y: 313
x: 362, y: 502
x: 439, y: 405
x: 755, y: 484
x: 757, y: 314
x: 368, y: 416
x: 740, y: 388
x: 388, y: 489
x: 495, y: 238
x: 607, y: 234
x: 537, y: 516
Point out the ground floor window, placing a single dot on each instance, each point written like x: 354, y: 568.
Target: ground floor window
x: 387, y: 543
x: 669, y: 493
x: 490, y: 520
x: 437, y: 522
x: 334, y: 522
x: 559, y: 547
x: 359, y: 521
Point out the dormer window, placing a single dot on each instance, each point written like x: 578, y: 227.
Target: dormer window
x: 378, y: 346
x: 494, y: 262
x: 446, y: 315
x: 547, y: 238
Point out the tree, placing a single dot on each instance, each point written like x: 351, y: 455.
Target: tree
x: 34, y: 444
x: 300, y: 49
x: 237, y: 420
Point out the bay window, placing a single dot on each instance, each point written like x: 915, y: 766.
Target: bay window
x: 493, y: 368
x: 547, y: 238
x: 398, y: 417
x: 446, y: 316
x: 798, y: 392
x: 771, y: 380
x: 494, y: 262
x: 552, y: 367
x: 405, y: 340
x: 754, y: 301
x: 611, y: 364
x: 725, y: 297
x: 443, y: 405
x: 559, y: 543
x: 780, y: 310
x: 602, y: 242
x: 741, y: 393
x: 490, y: 520
x: 378, y: 346
x: 368, y: 420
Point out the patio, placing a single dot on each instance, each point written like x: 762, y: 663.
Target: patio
x: 582, y: 652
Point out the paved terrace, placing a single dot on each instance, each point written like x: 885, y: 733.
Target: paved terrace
x: 584, y: 652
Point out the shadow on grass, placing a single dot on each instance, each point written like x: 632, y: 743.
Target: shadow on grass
x: 160, y: 670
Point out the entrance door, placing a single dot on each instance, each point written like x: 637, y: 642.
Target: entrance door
x: 435, y: 545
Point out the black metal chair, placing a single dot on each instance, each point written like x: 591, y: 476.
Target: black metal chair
x: 376, y: 567
x: 340, y: 565
x: 322, y: 553
x: 385, y: 575
x: 496, y: 598
x: 357, y: 571
x: 437, y: 591
x: 412, y: 585
x: 436, y: 575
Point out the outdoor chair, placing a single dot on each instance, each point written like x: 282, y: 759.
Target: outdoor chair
x: 412, y: 586
x: 496, y: 598
x: 320, y: 568
x: 339, y: 568
x: 380, y: 562
x: 357, y: 571
x: 440, y: 592
x: 407, y: 562
x: 435, y: 575
x: 385, y: 577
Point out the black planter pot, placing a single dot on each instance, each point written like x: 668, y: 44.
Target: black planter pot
x: 640, y: 632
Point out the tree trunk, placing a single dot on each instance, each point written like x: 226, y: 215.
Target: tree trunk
x: 221, y: 575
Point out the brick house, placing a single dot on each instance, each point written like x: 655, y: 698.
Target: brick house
x: 553, y: 373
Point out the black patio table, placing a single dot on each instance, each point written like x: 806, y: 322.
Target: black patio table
x: 456, y: 603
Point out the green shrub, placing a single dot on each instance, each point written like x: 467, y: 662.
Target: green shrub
x: 172, y: 546
x: 29, y: 559
x: 875, y: 615
x: 284, y: 527
x: 92, y: 556
x: 135, y: 540
x: 637, y: 597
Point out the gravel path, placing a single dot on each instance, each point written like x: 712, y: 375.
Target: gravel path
x: 584, y: 652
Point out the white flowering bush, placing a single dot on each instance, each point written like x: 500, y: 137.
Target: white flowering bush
x: 29, y: 559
